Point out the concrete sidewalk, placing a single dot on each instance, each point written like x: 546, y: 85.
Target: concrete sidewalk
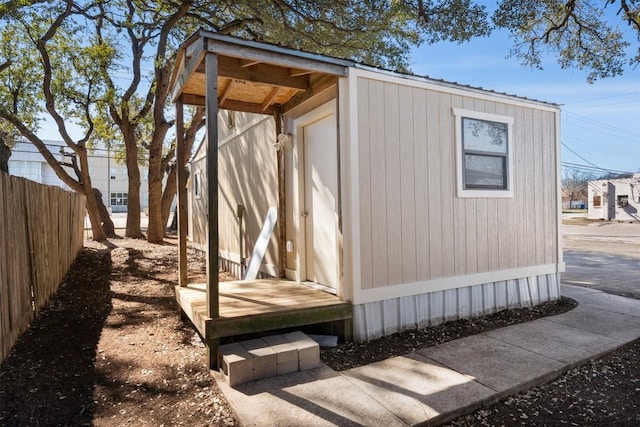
x: 440, y: 383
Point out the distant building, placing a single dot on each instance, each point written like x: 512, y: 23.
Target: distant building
x: 577, y: 200
x: 107, y: 175
x: 615, y: 199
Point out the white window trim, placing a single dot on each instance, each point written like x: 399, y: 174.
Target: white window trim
x: 478, y: 193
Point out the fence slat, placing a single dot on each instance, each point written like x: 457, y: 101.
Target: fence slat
x: 41, y: 232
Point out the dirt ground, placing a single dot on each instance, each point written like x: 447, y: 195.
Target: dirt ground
x: 109, y: 350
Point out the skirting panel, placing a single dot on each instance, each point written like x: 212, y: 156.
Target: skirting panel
x: 235, y: 269
x: 230, y: 266
x: 375, y: 319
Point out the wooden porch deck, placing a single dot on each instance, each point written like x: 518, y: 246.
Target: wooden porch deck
x: 259, y: 306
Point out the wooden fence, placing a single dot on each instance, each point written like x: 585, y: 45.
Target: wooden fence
x: 41, y: 232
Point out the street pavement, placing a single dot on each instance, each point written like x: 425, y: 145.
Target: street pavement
x: 604, y: 256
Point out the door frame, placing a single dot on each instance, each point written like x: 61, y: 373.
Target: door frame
x: 299, y: 188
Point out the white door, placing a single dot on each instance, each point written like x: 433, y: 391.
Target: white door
x: 320, y: 210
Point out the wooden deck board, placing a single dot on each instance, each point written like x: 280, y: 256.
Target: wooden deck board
x: 260, y: 305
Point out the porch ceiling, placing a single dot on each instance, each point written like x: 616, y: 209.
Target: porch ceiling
x: 251, y: 76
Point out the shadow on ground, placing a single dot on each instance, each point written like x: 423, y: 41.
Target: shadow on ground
x: 51, y: 369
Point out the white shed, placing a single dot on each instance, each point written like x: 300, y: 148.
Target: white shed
x: 615, y: 199
x: 409, y: 200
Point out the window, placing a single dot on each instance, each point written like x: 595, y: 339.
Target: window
x: 197, y: 190
x: 484, y: 153
x: 597, y: 201
x: 118, y: 199
x: 623, y: 201
x: 26, y: 169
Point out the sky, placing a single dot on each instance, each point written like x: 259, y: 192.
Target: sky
x: 600, y: 122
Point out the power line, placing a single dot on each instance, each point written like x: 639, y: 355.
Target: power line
x: 567, y: 147
x: 609, y: 104
x: 88, y: 155
x: 592, y: 166
x: 625, y: 133
x: 602, y: 97
x: 593, y: 169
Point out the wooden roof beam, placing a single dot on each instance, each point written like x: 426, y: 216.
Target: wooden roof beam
x: 244, y: 63
x: 262, y: 73
x: 267, y: 101
x: 283, y: 57
x: 295, y: 72
x: 229, y: 104
x: 191, y: 99
x: 319, y: 86
x: 225, y: 91
x: 191, y: 66
x: 247, y: 107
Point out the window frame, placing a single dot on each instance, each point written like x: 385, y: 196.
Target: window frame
x: 197, y: 185
x: 462, y: 191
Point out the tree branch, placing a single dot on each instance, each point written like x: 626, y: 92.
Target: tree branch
x: 48, y: 76
x: 42, y: 148
x: 632, y: 16
x: 6, y: 64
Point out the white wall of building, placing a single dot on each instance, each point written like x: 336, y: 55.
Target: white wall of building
x: 615, y: 199
x: 106, y: 174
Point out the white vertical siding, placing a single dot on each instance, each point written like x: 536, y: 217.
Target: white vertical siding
x: 364, y: 167
x: 422, y: 196
x: 407, y: 186
x: 392, y: 181
x: 413, y: 228
x: 378, y: 205
x: 375, y: 319
x: 435, y: 169
x: 248, y: 176
x: 447, y: 183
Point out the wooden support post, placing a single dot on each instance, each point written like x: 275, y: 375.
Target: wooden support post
x: 348, y: 330
x: 211, y: 61
x: 212, y: 354
x: 240, y: 215
x: 282, y: 218
x: 213, y: 308
x: 182, y: 195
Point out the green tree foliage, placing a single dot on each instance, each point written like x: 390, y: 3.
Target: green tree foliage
x: 576, y: 31
x: 106, y: 65
x: 52, y: 72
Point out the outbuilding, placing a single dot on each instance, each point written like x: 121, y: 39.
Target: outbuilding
x: 401, y: 201
x: 615, y: 199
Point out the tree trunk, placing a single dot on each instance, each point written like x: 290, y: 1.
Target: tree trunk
x: 170, y: 189
x: 168, y: 195
x: 155, y: 232
x: 133, y: 228
x: 174, y: 221
x: 5, y: 153
x: 107, y: 224
x: 92, y: 206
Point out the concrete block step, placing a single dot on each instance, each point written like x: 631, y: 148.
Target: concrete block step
x: 267, y: 357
